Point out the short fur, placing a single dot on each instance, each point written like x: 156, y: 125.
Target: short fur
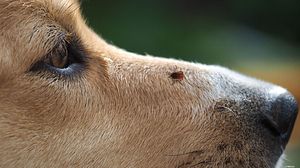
x: 121, y: 109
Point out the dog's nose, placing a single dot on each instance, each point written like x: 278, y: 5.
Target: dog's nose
x: 282, y: 115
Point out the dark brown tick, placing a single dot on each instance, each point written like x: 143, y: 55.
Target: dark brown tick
x: 177, y: 76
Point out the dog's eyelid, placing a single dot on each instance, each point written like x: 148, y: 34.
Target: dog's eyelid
x: 69, y: 54
x: 69, y: 44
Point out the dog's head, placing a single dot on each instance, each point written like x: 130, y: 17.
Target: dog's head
x: 70, y: 99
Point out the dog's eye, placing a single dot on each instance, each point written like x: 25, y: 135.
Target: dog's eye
x: 66, y: 58
x: 59, y: 57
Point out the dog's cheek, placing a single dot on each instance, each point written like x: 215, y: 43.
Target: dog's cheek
x: 47, y: 102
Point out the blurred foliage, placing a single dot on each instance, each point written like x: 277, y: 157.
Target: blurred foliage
x: 292, y: 158
x: 260, y: 38
x: 209, y: 31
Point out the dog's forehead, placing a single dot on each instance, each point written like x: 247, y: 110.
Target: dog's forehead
x: 65, y: 12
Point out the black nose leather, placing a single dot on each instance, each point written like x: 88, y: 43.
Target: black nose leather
x: 282, y: 116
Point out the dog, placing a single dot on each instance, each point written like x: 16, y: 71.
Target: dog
x: 70, y: 99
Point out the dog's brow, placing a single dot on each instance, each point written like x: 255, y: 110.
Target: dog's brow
x: 64, y: 12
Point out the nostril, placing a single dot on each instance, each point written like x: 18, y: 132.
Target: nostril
x: 282, y: 115
x: 270, y: 124
x: 284, y: 111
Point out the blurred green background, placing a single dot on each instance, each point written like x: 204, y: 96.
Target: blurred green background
x: 255, y: 37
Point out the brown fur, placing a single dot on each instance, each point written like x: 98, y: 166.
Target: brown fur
x: 122, y: 110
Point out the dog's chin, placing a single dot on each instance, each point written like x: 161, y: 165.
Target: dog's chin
x: 257, y: 162
x: 227, y: 155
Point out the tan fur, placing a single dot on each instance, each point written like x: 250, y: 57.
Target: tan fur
x: 123, y: 110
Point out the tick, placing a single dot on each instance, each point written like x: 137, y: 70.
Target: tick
x: 177, y: 76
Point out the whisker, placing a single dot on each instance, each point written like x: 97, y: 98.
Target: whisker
x: 187, y: 153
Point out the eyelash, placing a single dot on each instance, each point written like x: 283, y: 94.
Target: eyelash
x: 76, y: 60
